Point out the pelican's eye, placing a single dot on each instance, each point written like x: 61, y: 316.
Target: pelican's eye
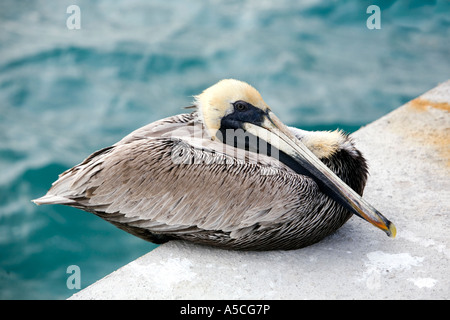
x: 240, y: 105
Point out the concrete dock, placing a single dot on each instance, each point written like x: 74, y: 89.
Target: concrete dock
x: 408, y: 152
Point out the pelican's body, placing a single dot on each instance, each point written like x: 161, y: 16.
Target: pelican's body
x: 184, y: 178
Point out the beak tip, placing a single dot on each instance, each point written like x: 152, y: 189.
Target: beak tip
x: 391, y: 231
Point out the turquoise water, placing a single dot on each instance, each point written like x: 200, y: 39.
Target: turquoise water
x: 66, y: 93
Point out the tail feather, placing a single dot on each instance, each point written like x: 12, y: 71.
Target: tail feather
x: 53, y: 199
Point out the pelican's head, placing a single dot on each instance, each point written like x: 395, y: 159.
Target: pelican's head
x: 233, y: 104
x: 225, y: 98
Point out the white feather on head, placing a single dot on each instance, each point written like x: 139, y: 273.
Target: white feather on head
x: 217, y: 101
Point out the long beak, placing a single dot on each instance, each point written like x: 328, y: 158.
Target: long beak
x: 278, y: 135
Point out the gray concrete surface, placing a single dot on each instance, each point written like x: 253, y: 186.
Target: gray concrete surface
x: 409, y: 157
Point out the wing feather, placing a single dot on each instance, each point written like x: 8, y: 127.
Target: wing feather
x: 206, y: 186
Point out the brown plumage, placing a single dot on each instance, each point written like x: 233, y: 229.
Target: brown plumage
x: 174, y: 179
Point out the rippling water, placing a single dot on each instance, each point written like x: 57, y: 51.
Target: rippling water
x: 66, y: 93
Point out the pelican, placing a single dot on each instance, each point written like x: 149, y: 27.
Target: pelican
x: 228, y: 174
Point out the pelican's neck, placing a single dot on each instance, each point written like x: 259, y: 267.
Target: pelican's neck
x: 325, y: 144
x: 339, y: 153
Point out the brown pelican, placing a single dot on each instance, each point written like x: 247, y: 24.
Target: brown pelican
x: 229, y: 174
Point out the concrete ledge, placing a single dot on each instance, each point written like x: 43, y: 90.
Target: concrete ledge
x: 409, y: 157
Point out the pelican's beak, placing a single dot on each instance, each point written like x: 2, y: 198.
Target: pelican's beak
x: 278, y: 135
